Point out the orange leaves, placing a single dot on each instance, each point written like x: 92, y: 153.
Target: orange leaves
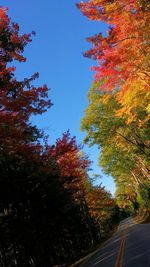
x: 100, y: 203
x: 122, y: 54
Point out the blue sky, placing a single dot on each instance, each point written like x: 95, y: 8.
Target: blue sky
x: 56, y: 53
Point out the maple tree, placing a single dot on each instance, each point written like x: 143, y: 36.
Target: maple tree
x: 47, y: 202
x: 19, y: 99
x: 96, y: 204
x: 123, y: 54
x: 19, y: 140
x: 117, y: 118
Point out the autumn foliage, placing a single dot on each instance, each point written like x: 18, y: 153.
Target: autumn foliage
x: 50, y: 213
x: 118, y: 116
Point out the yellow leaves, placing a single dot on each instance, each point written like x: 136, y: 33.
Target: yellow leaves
x: 148, y: 108
x: 111, y: 7
x: 106, y: 98
x: 135, y: 100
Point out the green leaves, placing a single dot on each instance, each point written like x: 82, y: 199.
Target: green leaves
x: 117, y: 118
x: 119, y: 142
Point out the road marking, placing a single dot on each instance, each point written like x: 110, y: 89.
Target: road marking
x: 122, y: 252
x: 119, y: 259
x: 118, y: 255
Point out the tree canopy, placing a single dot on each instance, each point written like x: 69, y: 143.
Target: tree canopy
x: 50, y: 213
x: 118, y: 118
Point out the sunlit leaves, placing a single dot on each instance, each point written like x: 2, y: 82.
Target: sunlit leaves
x: 123, y: 55
x: 47, y: 202
x: 117, y: 118
x: 120, y: 141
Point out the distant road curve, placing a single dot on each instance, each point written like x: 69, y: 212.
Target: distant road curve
x: 129, y: 247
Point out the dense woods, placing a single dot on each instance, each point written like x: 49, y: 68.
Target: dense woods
x: 50, y: 213
x: 118, y: 116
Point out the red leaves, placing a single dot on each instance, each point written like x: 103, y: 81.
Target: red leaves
x: 18, y: 100
x: 19, y: 140
x: 72, y: 162
x: 11, y: 43
x: 92, y: 9
x: 14, y: 97
x: 4, y: 20
x: 123, y: 52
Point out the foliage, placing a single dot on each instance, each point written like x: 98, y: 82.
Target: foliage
x: 117, y: 118
x: 49, y: 211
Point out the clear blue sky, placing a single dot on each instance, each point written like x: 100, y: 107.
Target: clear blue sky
x: 56, y: 53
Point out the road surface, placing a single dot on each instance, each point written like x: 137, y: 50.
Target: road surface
x: 129, y: 247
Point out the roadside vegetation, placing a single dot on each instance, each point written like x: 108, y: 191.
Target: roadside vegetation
x: 50, y: 212
x: 118, y: 116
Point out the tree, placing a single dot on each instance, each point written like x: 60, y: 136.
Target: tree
x: 121, y: 154
x: 123, y: 54
x: 117, y: 118
x: 46, y: 214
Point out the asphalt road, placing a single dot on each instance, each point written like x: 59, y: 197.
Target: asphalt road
x: 129, y: 247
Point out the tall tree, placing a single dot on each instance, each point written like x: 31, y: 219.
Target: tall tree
x: 117, y: 118
x: 121, y: 153
x: 49, y: 211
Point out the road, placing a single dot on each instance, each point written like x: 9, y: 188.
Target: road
x: 129, y: 247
